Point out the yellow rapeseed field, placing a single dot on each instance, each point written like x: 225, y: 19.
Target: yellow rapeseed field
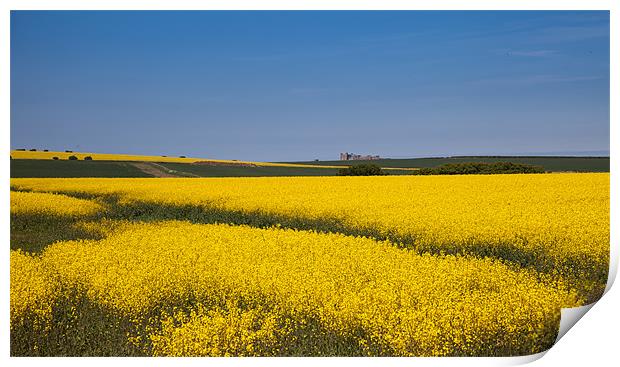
x: 359, y: 289
x: 407, y: 266
x: 553, y: 221
x: 19, y: 154
x: 38, y: 203
x: 32, y: 289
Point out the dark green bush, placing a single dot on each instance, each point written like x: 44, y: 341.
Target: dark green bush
x: 73, y: 158
x: 182, y: 156
x: 476, y: 168
x: 88, y: 158
x: 362, y: 170
x: 55, y: 158
x: 33, y: 150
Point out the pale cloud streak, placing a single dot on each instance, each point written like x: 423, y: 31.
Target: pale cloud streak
x: 535, y: 80
x: 532, y: 53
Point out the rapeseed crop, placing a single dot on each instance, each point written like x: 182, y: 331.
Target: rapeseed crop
x: 32, y: 290
x: 236, y: 286
x: 37, y: 203
x: 27, y: 154
x: 404, y: 266
x: 553, y: 223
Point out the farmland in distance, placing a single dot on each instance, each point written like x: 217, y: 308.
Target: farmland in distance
x: 553, y: 164
x: 41, y: 164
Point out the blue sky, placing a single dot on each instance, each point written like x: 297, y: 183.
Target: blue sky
x: 279, y: 86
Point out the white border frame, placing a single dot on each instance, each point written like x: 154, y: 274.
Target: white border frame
x: 593, y: 339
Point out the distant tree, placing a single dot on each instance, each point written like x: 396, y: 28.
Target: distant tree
x: 68, y: 151
x: 46, y: 150
x: 21, y: 149
x: 73, y: 158
x: 362, y: 170
x: 182, y: 156
x: 88, y: 158
x: 55, y: 158
x: 33, y: 150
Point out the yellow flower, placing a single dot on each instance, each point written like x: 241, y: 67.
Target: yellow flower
x: 354, y: 288
x: 447, y: 265
x: 36, y: 203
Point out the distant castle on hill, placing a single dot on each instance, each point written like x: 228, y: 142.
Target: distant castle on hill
x: 357, y: 157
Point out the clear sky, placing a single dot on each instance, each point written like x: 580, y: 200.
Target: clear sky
x: 278, y: 86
